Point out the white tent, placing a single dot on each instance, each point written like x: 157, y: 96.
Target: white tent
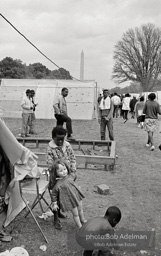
x: 24, y: 163
x: 81, y: 100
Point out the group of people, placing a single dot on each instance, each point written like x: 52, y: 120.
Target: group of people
x: 60, y: 109
x: 109, y: 106
x: 66, y: 195
x: 122, y: 104
x: 28, y: 113
x: 146, y: 113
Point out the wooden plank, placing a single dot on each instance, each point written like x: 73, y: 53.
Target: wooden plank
x: 85, y: 159
x: 81, y: 159
x: 35, y: 140
x: 77, y: 141
x: 40, y: 140
x: 112, y: 151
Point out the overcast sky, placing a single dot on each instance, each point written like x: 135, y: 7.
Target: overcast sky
x: 61, y: 29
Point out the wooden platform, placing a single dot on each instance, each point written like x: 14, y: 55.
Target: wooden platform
x: 88, y: 158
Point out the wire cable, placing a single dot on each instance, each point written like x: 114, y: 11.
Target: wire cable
x: 34, y: 45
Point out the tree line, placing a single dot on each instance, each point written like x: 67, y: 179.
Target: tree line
x: 134, y: 87
x: 10, y: 68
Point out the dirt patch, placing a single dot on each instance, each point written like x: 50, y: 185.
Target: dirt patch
x: 134, y: 187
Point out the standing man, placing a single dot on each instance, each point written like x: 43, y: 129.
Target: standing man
x: 116, y: 103
x: 132, y: 106
x: 105, y: 115
x: 60, y: 108
x: 27, y: 108
x: 33, y: 118
x: 58, y: 148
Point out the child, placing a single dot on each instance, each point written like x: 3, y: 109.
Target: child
x: 98, y: 226
x: 66, y: 192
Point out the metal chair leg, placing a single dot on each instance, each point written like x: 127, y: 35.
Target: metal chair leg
x: 29, y: 209
x: 36, y: 201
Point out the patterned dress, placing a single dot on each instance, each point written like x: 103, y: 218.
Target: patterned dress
x: 67, y: 192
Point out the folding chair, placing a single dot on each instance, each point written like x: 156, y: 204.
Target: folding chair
x: 36, y: 186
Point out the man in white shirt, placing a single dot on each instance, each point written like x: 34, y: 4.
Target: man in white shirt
x: 33, y: 118
x: 116, y: 103
x: 27, y: 109
x: 105, y: 115
x: 60, y: 108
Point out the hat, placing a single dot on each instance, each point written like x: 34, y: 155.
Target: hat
x: 28, y: 91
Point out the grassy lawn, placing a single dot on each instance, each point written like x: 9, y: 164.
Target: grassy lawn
x: 135, y: 187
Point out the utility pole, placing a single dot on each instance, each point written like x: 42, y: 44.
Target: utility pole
x: 82, y: 66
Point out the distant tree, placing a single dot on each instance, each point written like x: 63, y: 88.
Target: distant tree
x: 61, y: 73
x: 39, y: 71
x: 138, y: 57
x: 10, y: 68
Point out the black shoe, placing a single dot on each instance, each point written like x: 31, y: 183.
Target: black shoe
x: 70, y: 138
x: 58, y: 225
x: 62, y: 215
x: 159, y: 147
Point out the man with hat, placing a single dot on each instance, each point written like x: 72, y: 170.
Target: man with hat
x: 27, y: 109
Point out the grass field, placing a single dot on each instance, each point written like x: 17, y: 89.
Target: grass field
x: 135, y: 187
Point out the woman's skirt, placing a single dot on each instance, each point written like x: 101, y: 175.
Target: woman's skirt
x: 150, y: 124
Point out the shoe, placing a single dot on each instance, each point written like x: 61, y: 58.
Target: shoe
x: 70, y: 138
x: 62, y: 215
x: 26, y: 135
x: 125, y: 121
x: 83, y: 221
x: 152, y: 148
x: 139, y: 126
x: 159, y: 147
x: 147, y: 145
x: 58, y: 225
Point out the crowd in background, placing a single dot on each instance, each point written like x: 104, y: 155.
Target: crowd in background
x: 125, y: 104
x: 145, y: 110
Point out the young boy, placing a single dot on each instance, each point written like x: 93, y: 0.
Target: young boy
x: 99, y: 226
